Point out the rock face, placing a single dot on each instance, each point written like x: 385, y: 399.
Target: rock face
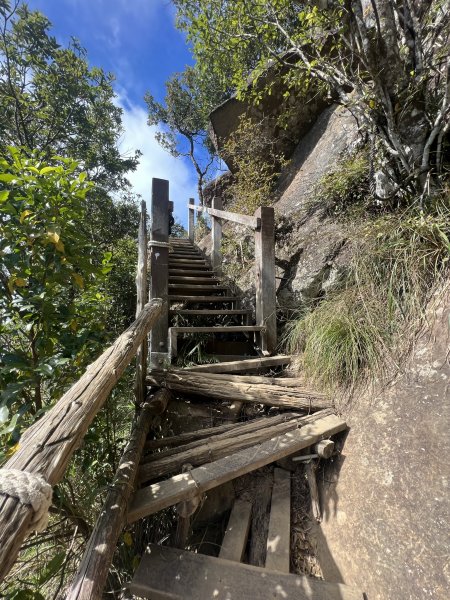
x: 311, y: 249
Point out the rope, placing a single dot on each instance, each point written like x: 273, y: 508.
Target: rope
x: 29, y: 489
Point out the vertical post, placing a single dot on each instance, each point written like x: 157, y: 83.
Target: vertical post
x: 141, y: 300
x: 191, y: 220
x: 265, y: 278
x: 159, y: 269
x: 216, y: 234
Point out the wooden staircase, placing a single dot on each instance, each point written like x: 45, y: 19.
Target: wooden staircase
x: 196, y: 293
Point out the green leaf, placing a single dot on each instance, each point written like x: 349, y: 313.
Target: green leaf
x: 4, y: 195
x: 47, y: 170
x: 7, y: 177
x: 52, y: 568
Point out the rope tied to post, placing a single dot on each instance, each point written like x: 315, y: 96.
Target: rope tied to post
x: 30, y: 489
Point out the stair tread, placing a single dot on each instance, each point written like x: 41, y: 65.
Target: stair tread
x: 178, y: 298
x: 218, y: 328
x: 211, y: 311
x: 171, y: 573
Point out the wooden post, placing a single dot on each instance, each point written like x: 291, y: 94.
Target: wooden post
x: 191, y: 220
x: 159, y: 269
x: 265, y: 278
x: 141, y: 299
x: 216, y: 234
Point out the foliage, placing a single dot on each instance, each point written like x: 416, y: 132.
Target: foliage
x: 387, y: 63
x: 238, y: 251
x: 184, y: 116
x: 257, y: 164
x: 201, y: 228
x: 398, y: 260
x: 177, y: 230
x: 51, y: 100
x: 50, y: 302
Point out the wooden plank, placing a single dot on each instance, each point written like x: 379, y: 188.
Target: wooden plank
x: 239, y: 366
x: 235, y: 538
x: 159, y: 232
x: 191, y: 273
x: 171, y: 574
x: 197, y: 287
x: 141, y: 300
x: 260, y: 519
x: 93, y: 571
x: 194, y: 279
x: 161, y: 495
x: 209, y: 312
x: 179, y: 298
x: 191, y: 217
x: 266, y: 303
x: 46, y: 448
x: 218, y: 329
x: 248, y: 220
x: 279, y: 536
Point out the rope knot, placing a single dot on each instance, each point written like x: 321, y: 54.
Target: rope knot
x: 30, y: 489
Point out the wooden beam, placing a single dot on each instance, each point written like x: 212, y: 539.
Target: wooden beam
x: 47, y: 446
x: 141, y: 300
x: 170, y: 574
x: 249, y: 221
x: 241, y: 366
x: 266, y: 302
x: 228, y: 387
x: 159, y: 275
x: 202, y: 299
x: 191, y: 224
x: 185, y: 486
x: 209, y: 312
x: 93, y: 571
x: 235, y: 538
x: 216, y: 235
x: 279, y: 535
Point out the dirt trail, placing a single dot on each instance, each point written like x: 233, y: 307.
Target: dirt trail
x: 386, y: 500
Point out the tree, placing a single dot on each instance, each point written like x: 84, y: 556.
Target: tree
x: 386, y: 61
x: 51, y: 302
x: 190, y: 97
x: 52, y: 101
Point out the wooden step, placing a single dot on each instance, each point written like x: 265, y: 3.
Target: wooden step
x: 199, y: 271
x: 166, y: 573
x: 181, y: 260
x: 201, y: 287
x: 279, y: 534
x: 202, y: 299
x: 174, y: 331
x: 194, y: 280
x: 153, y: 498
x: 235, y: 538
x: 210, y: 312
x: 186, y: 255
x: 244, y: 365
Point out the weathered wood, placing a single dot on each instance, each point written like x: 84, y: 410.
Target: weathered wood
x: 279, y: 535
x: 239, y: 366
x: 159, y: 275
x: 141, y: 300
x: 202, y: 299
x: 235, y: 538
x: 218, y: 329
x: 229, y: 388
x: 191, y: 219
x: 266, y: 303
x: 93, y: 571
x: 170, y: 574
x: 310, y: 470
x: 195, y: 280
x: 216, y: 235
x: 199, y: 434
x: 325, y: 448
x: 196, y: 288
x: 48, y: 445
x: 198, y: 453
x: 160, y: 495
x: 185, y: 511
x: 260, y: 521
x: 210, y: 312
x: 247, y: 220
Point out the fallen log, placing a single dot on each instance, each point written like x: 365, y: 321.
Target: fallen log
x: 236, y: 366
x: 190, y: 439
x: 47, y: 446
x: 215, y: 448
x: 185, y: 486
x: 228, y: 387
x: 93, y: 571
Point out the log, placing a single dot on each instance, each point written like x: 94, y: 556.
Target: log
x: 228, y: 387
x: 310, y: 470
x: 47, y: 446
x: 191, y: 436
x: 197, y: 454
x: 236, y: 366
x: 93, y: 571
x: 260, y: 519
x: 185, y: 486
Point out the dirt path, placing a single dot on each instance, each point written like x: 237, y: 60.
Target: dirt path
x: 386, y: 500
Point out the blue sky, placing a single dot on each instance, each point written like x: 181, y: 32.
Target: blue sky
x: 138, y: 42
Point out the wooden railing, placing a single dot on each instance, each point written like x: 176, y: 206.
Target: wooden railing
x: 263, y: 225
x: 46, y: 448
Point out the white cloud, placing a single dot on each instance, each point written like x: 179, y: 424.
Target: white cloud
x: 155, y: 162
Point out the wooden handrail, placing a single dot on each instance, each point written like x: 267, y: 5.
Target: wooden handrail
x: 47, y: 446
x: 249, y: 221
